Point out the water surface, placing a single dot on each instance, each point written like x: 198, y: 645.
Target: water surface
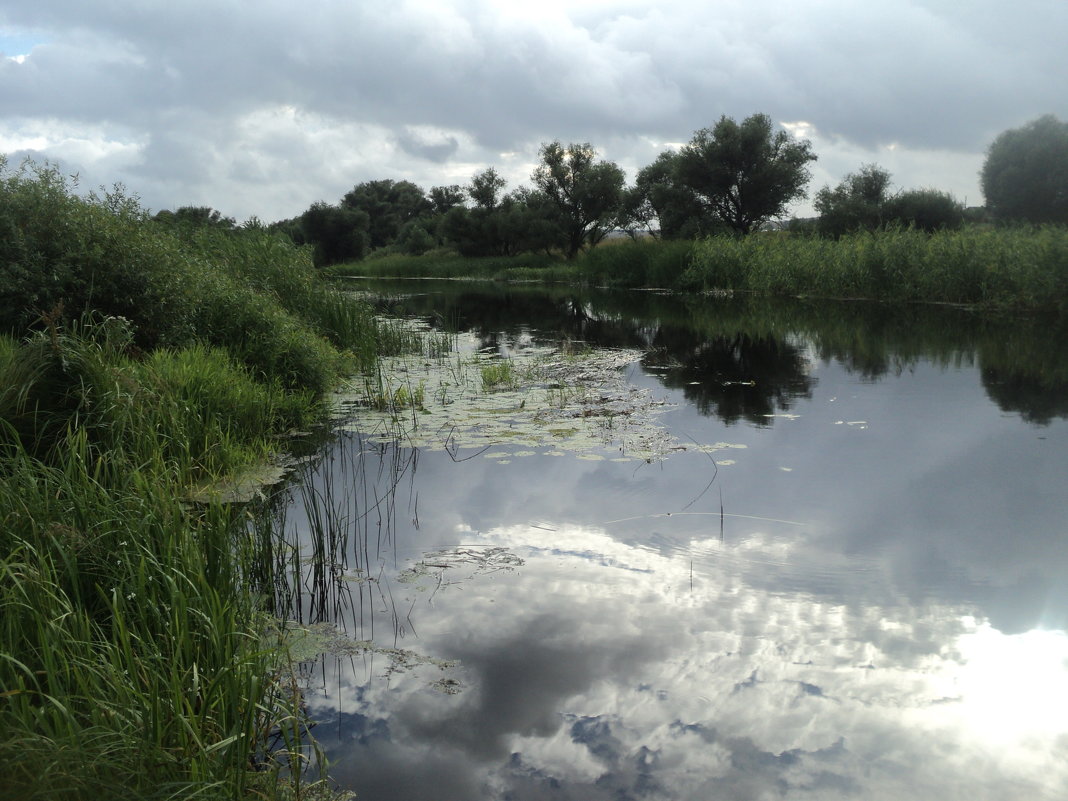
x: 865, y: 598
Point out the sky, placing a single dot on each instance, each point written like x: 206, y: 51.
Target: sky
x: 261, y: 109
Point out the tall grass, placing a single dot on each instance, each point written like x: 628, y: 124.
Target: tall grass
x: 445, y: 265
x: 136, y: 363
x: 633, y: 263
x: 1023, y: 268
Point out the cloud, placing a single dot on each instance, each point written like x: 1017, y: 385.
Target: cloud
x: 432, y: 92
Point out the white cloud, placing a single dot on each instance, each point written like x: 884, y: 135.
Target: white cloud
x: 933, y: 82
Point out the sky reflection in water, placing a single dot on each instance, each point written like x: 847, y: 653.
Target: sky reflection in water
x: 879, y: 612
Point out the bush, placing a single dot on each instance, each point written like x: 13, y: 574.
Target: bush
x: 251, y: 292
x: 924, y: 209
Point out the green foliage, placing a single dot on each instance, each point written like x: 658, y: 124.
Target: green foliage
x: 643, y: 262
x: 744, y: 173
x: 925, y: 209
x: 1008, y: 268
x: 586, y: 195
x: 861, y: 202
x: 143, y: 362
x: 337, y: 233
x: 250, y: 292
x: 449, y: 265
x: 1025, y: 175
x: 485, y: 188
x: 195, y: 216
x: 444, y: 198
x: 414, y: 239
x: 134, y: 661
x: 498, y: 374
x: 659, y: 194
x: 856, y: 204
x: 388, y: 205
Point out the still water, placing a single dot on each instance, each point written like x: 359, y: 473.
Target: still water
x: 860, y: 593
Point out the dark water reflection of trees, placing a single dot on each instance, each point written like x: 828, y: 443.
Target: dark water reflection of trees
x: 748, y: 358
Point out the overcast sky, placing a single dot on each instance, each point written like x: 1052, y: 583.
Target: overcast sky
x: 262, y: 108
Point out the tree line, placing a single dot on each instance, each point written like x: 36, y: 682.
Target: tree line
x: 730, y: 178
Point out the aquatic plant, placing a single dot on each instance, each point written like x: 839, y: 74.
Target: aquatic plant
x: 1023, y: 268
x: 498, y: 374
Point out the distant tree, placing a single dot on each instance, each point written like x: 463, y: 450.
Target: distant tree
x: 924, y: 209
x: 443, y: 198
x: 485, y: 188
x: 388, y: 205
x: 196, y: 216
x: 1025, y: 175
x: 856, y: 204
x: 862, y: 202
x: 337, y: 233
x: 677, y: 209
x: 586, y: 194
x: 745, y: 174
x: 523, y: 220
x: 534, y: 218
x: 414, y: 239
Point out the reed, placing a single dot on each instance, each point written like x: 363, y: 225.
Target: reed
x: 437, y: 264
x: 1009, y: 268
x: 137, y: 658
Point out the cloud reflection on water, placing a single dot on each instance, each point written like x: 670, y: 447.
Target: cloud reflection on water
x: 879, y: 614
x: 634, y: 685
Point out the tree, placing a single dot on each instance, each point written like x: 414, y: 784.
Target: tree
x: 745, y: 174
x: 443, y: 198
x: 485, y: 188
x: 585, y: 194
x: 856, y: 204
x: 925, y: 210
x: 679, y: 212
x: 337, y: 233
x: 389, y: 205
x: 195, y: 217
x: 1025, y: 175
x: 862, y: 202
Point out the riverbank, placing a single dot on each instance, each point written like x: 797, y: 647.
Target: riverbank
x: 989, y: 268
x: 145, y: 370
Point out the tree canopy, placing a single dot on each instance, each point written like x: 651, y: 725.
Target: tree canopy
x: 745, y: 174
x: 862, y: 202
x: 585, y: 193
x: 856, y: 204
x: 388, y: 205
x: 1025, y: 175
x: 658, y: 193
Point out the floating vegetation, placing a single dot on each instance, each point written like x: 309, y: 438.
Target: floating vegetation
x: 307, y: 643
x: 474, y: 561
x: 538, y: 401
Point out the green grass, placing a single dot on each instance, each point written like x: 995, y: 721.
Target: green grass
x: 498, y: 375
x: 1022, y: 268
x: 448, y: 265
x: 138, y: 364
x: 1004, y: 268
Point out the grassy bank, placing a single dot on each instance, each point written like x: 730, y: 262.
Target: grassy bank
x: 142, y: 366
x: 1021, y: 268
x: 538, y: 266
x: 1004, y: 268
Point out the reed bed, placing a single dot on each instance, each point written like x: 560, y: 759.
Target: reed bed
x: 447, y: 265
x: 1011, y: 268
x: 138, y: 365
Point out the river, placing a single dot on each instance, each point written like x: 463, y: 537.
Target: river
x: 838, y: 573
